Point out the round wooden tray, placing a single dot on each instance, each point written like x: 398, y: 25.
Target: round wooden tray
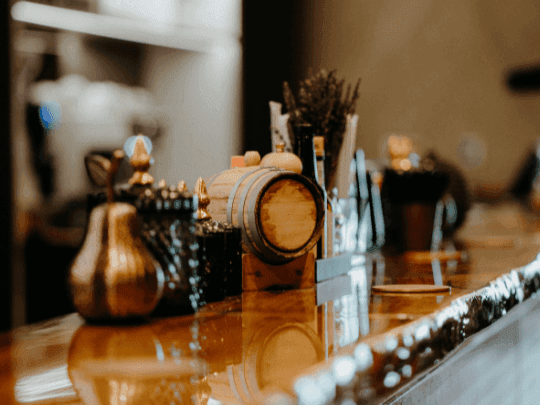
x: 426, y: 257
x: 410, y: 289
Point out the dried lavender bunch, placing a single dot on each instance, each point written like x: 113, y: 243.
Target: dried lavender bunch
x: 322, y: 104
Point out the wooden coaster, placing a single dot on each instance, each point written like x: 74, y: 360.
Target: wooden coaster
x: 426, y: 257
x: 410, y: 288
x: 502, y: 242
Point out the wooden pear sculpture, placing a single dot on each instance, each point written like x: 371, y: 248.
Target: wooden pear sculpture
x: 114, y: 276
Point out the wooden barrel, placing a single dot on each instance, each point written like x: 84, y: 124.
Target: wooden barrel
x: 280, y: 212
x: 275, y: 355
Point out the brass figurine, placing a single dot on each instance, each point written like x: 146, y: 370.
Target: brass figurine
x: 140, y: 161
x: 399, y: 148
x: 318, y: 142
x: 204, y: 199
x: 182, y: 188
x: 114, y: 276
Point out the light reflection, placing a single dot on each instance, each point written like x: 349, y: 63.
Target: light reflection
x: 422, y: 332
x: 165, y: 351
x: 390, y: 344
x: 50, y: 114
x: 156, y: 28
x: 391, y: 379
x: 406, y: 371
x: 49, y: 385
x: 327, y: 385
x: 129, y: 145
x: 437, y: 273
x: 346, y: 322
x: 308, y: 392
x: 351, y: 312
x: 160, y: 355
x: 437, y: 276
x: 363, y: 357
x: 361, y: 277
x: 407, y: 340
x: 276, y: 398
x: 402, y: 353
x: 344, y: 369
x: 451, y: 265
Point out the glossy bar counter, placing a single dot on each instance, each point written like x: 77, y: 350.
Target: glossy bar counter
x: 335, y: 343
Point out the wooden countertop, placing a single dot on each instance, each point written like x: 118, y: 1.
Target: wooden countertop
x: 329, y: 343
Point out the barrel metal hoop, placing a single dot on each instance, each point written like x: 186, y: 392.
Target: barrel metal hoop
x: 240, y: 214
x: 233, y: 191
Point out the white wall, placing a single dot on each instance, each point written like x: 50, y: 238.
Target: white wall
x: 435, y: 70
x: 200, y: 96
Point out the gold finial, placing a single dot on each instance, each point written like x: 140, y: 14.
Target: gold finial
x: 204, y: 200
x: 140, y: 161
x: 182, y: 188
x: 162, y: 183
x: 399, y: 148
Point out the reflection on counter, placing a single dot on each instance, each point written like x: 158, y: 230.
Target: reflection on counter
x: 335, y: 340
x: 237, y: 351
x: 39, y: 360
x: 242, y: 350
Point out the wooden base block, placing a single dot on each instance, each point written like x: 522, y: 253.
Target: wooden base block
x: 258, y: 275
x: 294, y: 305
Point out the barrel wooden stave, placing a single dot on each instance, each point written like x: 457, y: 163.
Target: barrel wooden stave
x: 219, y: 189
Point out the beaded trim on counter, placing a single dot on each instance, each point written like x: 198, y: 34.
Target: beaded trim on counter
x: 379, y: 367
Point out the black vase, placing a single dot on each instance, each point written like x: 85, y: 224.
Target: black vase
x: 305, y: 150
x: 410, y: 206
x: 168, y: 230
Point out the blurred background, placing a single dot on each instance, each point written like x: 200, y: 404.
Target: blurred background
x: 196, y: 76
